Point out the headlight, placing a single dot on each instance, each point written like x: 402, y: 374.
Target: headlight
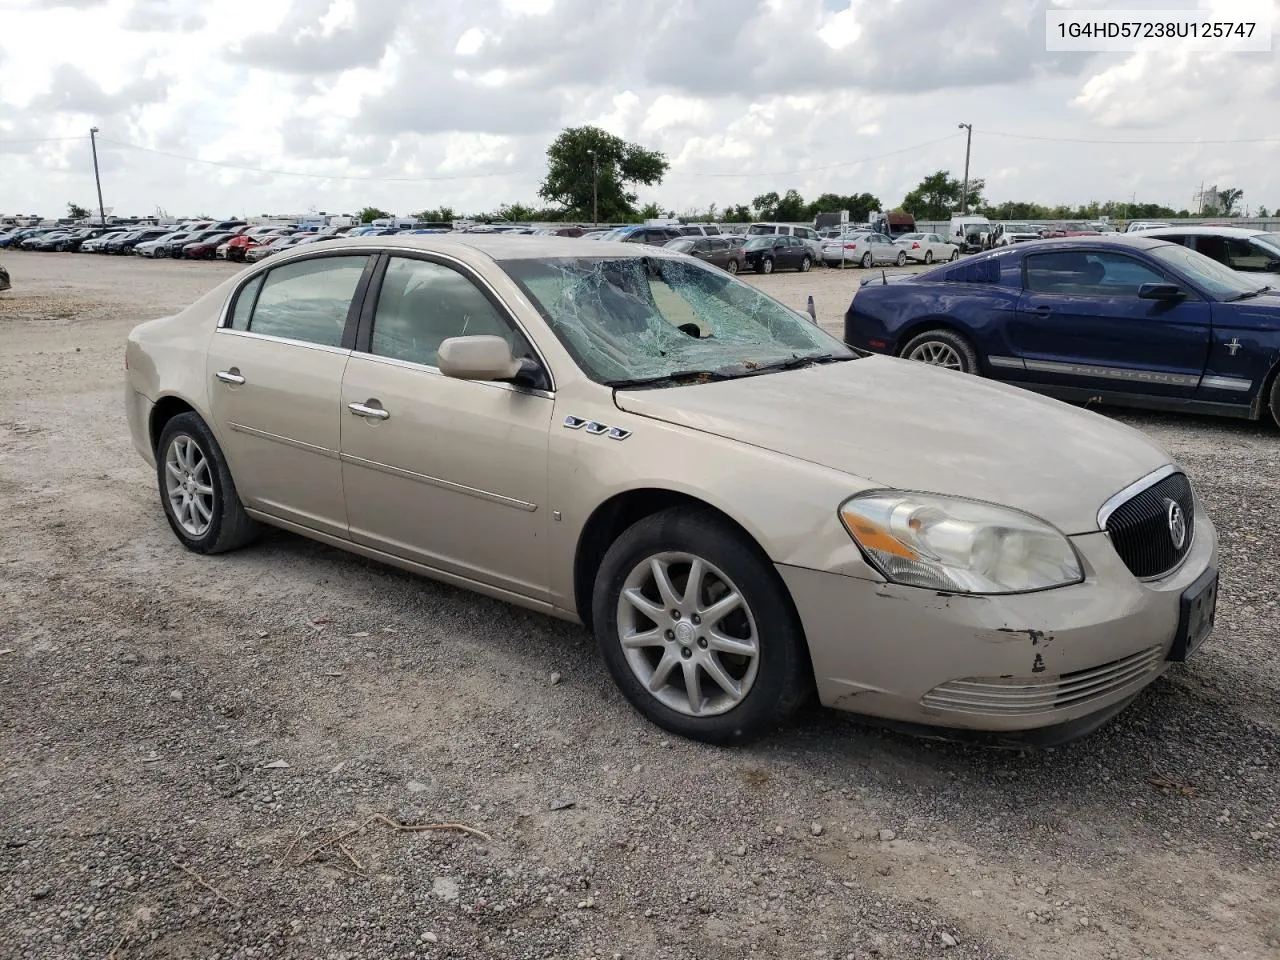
x: 944, y: 543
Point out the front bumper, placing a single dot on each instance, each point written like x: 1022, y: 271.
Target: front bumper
x: 1022, y: 662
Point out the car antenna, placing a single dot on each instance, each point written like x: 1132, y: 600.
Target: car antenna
x: 813, y: 314
x: 884, y: 281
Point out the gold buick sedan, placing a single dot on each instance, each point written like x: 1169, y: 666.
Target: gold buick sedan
x: 742, y: 509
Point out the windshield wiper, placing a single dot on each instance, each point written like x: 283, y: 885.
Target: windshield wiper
x: 679, y: 377
x: 1247, y: 295
x: 793, y: 362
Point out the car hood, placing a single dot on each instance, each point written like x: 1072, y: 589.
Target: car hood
x: 909, y: 426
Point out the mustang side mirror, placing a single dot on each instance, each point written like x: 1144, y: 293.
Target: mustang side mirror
x: 477, y: 358
x: 1160, y: 291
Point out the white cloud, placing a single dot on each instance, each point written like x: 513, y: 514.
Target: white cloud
x: 470, y: 42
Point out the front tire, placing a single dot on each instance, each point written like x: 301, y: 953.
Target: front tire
x: 942, y: 348
x: 196, y: 490
x: 902, y: 258
x: 955, y: 255
x: 697, y: 629
x: 805, y: 264
x: 766, y: 265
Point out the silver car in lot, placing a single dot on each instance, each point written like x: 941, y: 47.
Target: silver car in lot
x: 742, y: 509
x: 863, y: 250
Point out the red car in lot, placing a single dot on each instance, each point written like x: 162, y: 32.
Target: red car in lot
x: 239, y: 244
x: 205, y: 248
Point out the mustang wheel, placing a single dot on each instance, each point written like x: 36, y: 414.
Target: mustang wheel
x: 697, y: 630
x: 196, y: 489
x: 866, y: 260
x: 942, y: 348
x: 1275, y: 399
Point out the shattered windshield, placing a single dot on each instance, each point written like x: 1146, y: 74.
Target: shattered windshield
x: 627, y: 319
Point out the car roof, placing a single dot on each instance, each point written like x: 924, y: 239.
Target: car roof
x: 495, y: 246
x: 1136, y: 241
x: 1203, y: 231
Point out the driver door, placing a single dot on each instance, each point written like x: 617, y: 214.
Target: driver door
x: 448, y: 473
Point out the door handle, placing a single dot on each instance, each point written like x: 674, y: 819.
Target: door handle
x: 230, y: 376
x: 368, y: 412
x: 1042, y: 310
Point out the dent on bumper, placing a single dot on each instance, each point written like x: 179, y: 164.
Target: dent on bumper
x: 998, y: 663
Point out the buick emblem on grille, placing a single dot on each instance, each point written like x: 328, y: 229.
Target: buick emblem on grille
x: 1177, y: 524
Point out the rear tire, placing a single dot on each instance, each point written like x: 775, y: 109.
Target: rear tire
x: 196, y: 490
x: 756, y: 647
x: 928, y: 257
x: 866, y: 260
x: 1275, y: 398
x: 942, y: 348
x: 732, y: 266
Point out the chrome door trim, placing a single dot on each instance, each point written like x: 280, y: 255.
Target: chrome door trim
x: 435, y: 371
x: 1112, y: 373
x: 1132, y: 490
x: 249, y: 335
x: 287, y: 441
x: 439, y: 482
x: 1226, y: 383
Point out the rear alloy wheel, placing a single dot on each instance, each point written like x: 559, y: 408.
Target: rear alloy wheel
x: 805, y: 264
x: 1275, y: 399
x: 928, y: 257
x: 697, y: 630
x: 902, y: 258
x: 942, y: 348
x: 866, y: 260
x: 732, y: 266
x: 196, y: 489
x: 766, y: 265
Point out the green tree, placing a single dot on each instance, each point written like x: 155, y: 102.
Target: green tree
x: 587, y: 163
x: 791, y: 208
x: 438, y: 215
x: 650, y: 211
x: 938, y: 195
x: 370, y: 214
x: 77, y: 212
x: 859, y: 205
x: 1227, y: 200
x: 766, y: 205
x: 1262, y: 212
x: 739, y: 213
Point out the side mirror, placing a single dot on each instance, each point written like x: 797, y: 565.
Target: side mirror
x: 1167, y: 292
x: 477, y: 358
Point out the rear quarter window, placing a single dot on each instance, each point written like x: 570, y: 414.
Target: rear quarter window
x: 985, y: 270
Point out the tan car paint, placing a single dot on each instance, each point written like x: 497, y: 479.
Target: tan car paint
x: 761, y: 450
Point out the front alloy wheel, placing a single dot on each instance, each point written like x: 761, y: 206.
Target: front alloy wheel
x: 687, y: 634
x: 766, y: 265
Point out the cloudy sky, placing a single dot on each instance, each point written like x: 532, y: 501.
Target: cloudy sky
x: 406, y: 104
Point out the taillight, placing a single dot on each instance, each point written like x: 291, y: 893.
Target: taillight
x: 851, y: 246
x: 915, y: 246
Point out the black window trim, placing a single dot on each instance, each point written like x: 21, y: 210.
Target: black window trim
x: 362, y: 335
x: 1193, y: 294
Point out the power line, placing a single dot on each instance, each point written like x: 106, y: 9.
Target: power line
x: 1188, y: 141
x: 41, y: 140
x: 314, y: 176
x: 829, y: 166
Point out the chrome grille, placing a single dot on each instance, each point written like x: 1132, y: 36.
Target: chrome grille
x: 1025, y: 696
x: 1140, y: 530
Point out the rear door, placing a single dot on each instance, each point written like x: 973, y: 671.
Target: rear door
x: 275, y: 370
x: 1081, y: 324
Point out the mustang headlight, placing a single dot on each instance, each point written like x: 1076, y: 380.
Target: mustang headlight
x: 944, y: 543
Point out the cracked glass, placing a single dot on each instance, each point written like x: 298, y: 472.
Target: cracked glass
x: 642, y: 318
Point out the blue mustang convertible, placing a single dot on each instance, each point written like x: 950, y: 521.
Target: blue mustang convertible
x: 1126, y: 320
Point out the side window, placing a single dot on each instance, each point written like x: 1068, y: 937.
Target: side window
x: 422, y: 304
x: 244, y: 303
x: 1181, y: 238
x: 1215, y: 248
x: 1251, y: 256
x: 308, y: 300
x: 1075, y: 273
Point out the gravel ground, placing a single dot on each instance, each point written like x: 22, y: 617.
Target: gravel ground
x: 184, y: 737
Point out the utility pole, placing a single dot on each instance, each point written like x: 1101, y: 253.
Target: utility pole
x: 968, y: 141
x: 595, y: 187
x: 93, y: 143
